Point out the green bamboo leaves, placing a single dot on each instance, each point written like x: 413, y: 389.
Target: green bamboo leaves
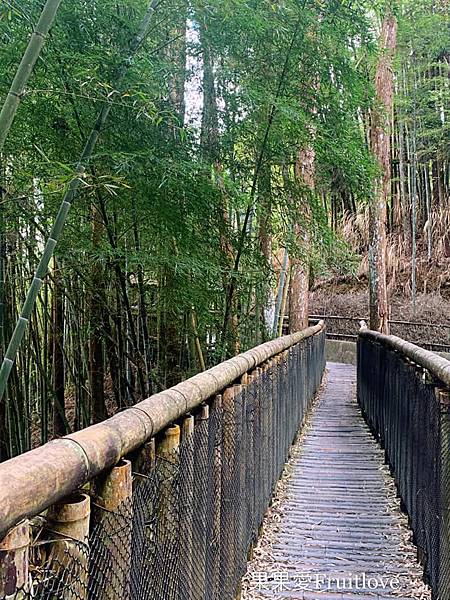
x: 26, y: 67
x: 66, y: 203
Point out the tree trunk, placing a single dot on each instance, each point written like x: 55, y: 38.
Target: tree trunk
x: 404, y: 197
x: 299, y: 293
x: 59, y: 408
x: 177, y: 58
x: 3, y: 416
x: 380, y: 141
x: 97, y: 300
x: 265, y: 245
x: 209, y: 135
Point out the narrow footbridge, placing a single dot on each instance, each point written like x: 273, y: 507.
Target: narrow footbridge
x: 271, y: 475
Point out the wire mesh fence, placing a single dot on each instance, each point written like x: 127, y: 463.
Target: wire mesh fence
x: 176, y: 520
x: 408, y: 411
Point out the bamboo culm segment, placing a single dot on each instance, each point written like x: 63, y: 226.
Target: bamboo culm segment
x: 26, y: 67
x: 61, y: 217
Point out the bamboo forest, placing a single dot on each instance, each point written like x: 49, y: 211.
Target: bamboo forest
x: 182, y: 180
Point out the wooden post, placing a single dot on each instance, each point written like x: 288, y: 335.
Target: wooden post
x: 167, y: 538
x: 68, y: 530
x: 14, y: 555
x: 187, y: 556
x: 249, y: 464
x: 265, y: 449
x: 114, y: 514
x: 144, y: 461
x: 143, y: 551
x: 444, y: 536
x: 241, y: 462
x: 201, y: 477
x: 216, y: 499
x: 228, y: 509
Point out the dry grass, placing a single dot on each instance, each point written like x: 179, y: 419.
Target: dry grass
x: 433, y: 275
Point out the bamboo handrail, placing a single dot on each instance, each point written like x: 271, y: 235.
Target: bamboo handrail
x: 435, y: 364
x: 33, y: 481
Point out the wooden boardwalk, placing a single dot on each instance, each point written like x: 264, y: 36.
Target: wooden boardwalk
x: 340, y: 534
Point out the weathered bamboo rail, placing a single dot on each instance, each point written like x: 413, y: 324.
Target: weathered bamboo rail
x: 431, y: 336
x: 183, y: 455
x: 404, y: 392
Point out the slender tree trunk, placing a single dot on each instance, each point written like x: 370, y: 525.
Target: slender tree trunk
x: 299, y: 293
x: 414, y: 188
x: 145, y: 337
x: 177, y: 57
x: 404, y: 198
x: 265, y: 244
x: 59, y: 380
x: 26, y: 67
x: 97, y: 301
x: 282, y: 285
x: 3, y: 255
x: 429, y: 221
x: 209, y: 135
x: 380, y: 143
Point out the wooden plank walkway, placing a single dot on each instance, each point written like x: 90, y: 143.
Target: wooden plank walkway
x: 336, y: 531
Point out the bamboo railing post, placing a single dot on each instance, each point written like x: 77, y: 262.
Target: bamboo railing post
x: 214, y: 572
x: 266, y: 405
x: 14, y: 560
x: 201, y: 499
x: 167, y: 510
x: 444, y: 535
x: 260, y: 457
x: 187, y: 556
x: 241, y: 465
x: 68, y: 530
x: 249, y: 465
x: 228, y: 511
x: 143, y: 463
x: 277, y: 429
x: 114, y: 511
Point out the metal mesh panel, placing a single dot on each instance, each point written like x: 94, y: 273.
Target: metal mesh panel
x: 195, y: 511
x: 407, y: 415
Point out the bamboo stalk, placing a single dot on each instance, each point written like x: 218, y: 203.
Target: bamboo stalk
x: 65, y: 206
x: 280, y: 295
x: 284, y: 302
x: 26, y: 67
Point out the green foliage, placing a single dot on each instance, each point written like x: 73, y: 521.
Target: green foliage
x: 168, y: 220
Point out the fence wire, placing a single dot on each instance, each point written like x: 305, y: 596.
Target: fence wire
x: 407, y: 414
x: 194, y: 512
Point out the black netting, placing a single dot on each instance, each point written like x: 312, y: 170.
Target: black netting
x: 196, y: 505
x: 412, y: 422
